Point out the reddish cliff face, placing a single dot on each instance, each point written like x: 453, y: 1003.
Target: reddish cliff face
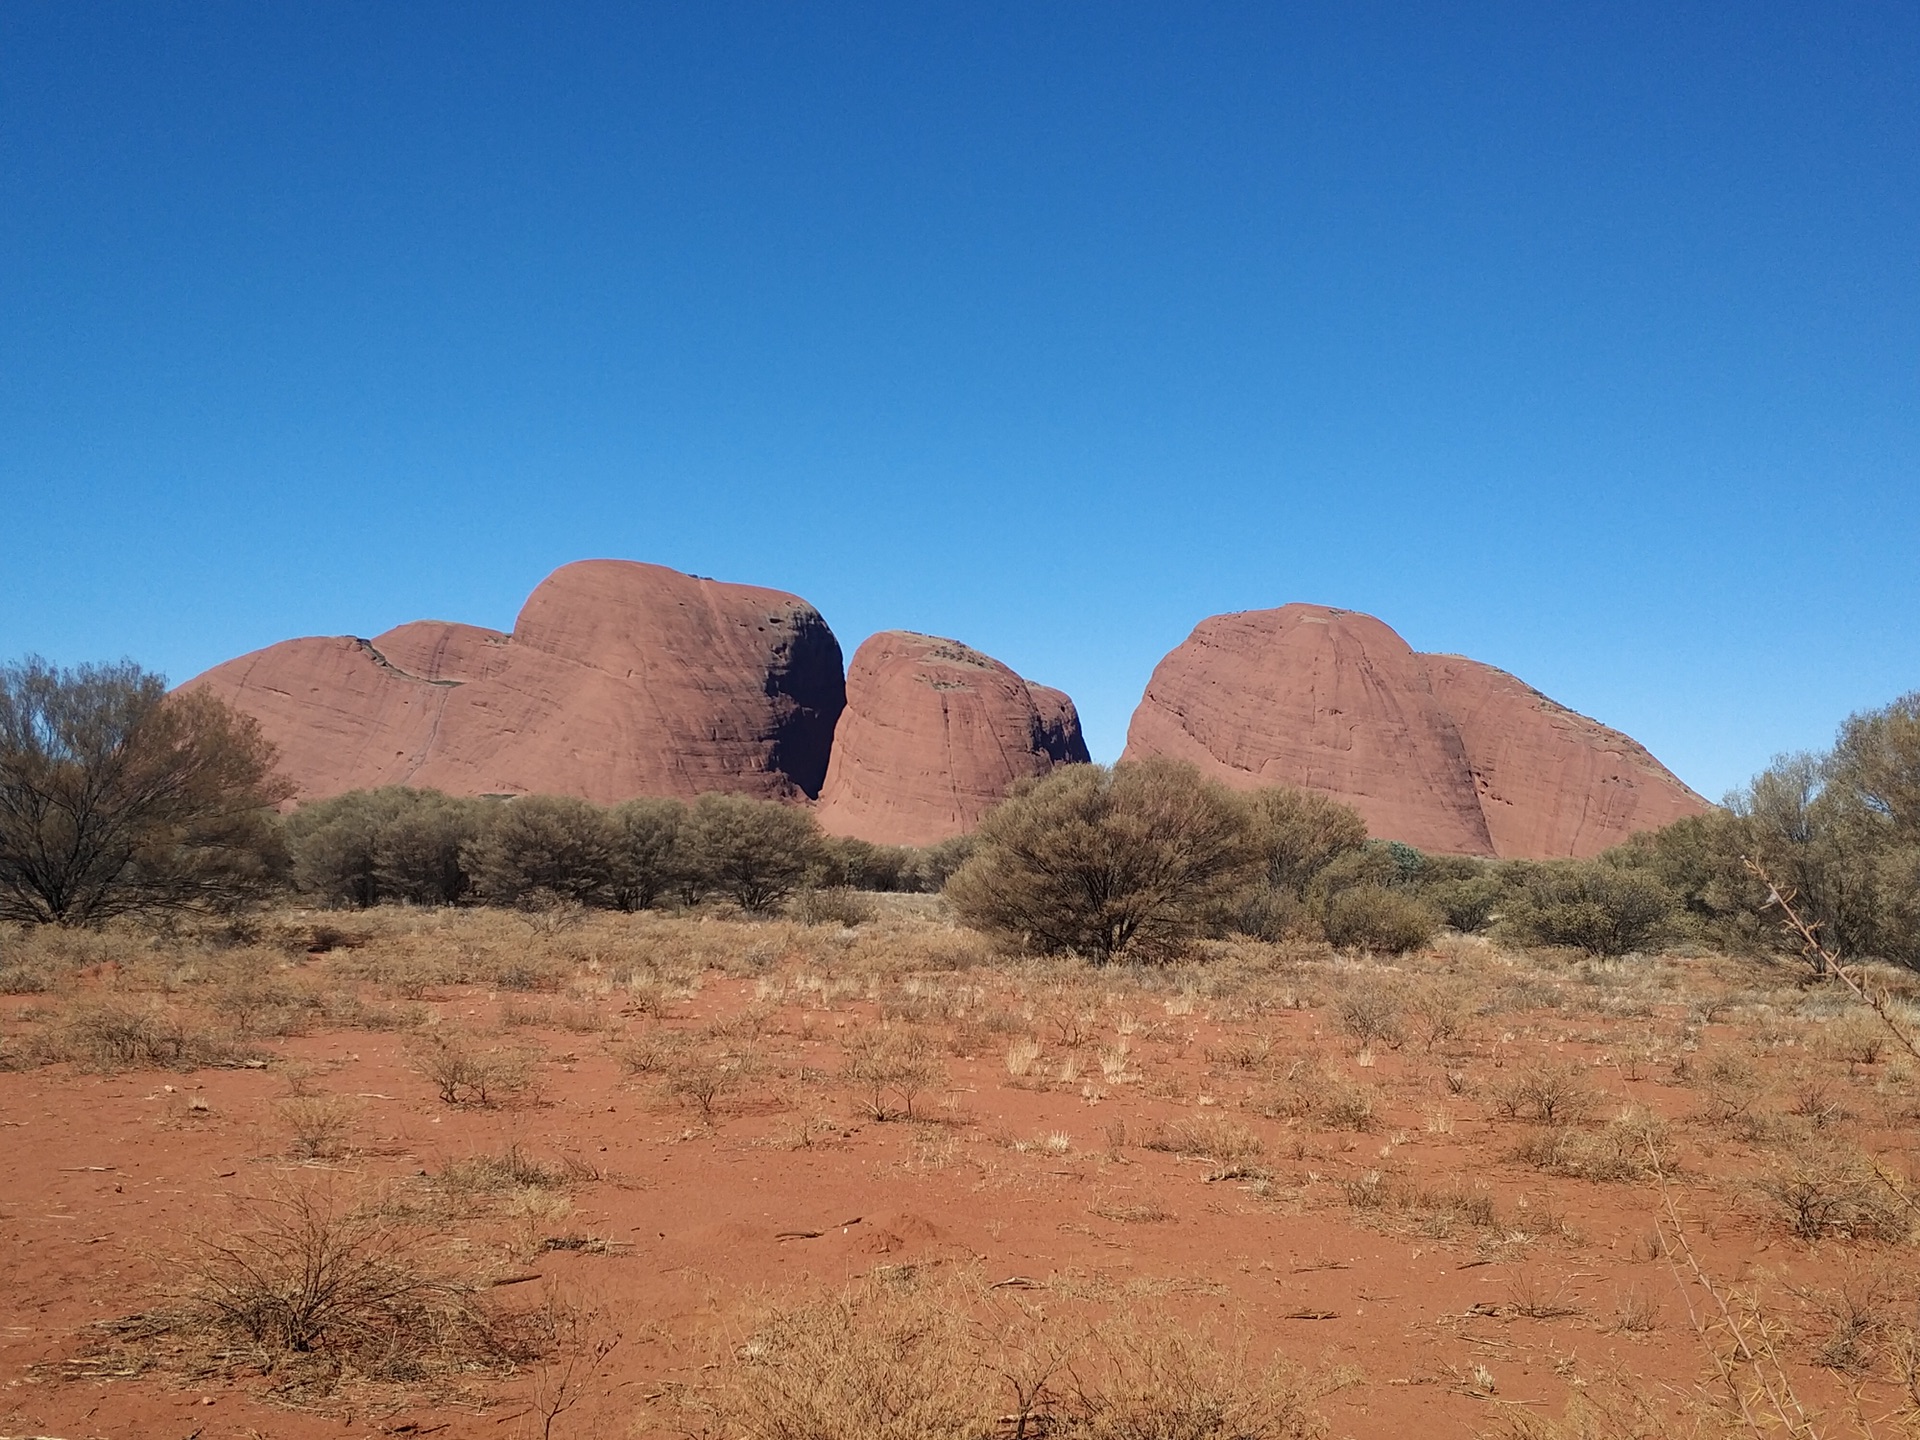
x: 933, y: 736
x: 619, y: 679
x: 1552, y: 782
x: 443, y: 650
x: 1442, y: 753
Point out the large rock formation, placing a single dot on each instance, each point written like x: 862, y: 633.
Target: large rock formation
x: 932, y: 737
x: 619, y: 679
x: 1441, y: 752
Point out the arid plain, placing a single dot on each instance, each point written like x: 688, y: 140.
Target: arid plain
x: 1457, y: 1193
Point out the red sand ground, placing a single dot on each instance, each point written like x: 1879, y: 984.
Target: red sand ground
x: 108, y: 1173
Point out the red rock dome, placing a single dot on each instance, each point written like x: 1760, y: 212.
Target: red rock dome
x: 1443, y: 753
x: 619, y: 679
x: 933, y: 736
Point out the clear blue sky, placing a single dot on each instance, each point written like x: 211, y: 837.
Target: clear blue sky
x: 1579, y: 339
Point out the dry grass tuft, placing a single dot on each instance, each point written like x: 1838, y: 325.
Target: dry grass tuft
x: 900, y: 1358
x: 314, y: 1285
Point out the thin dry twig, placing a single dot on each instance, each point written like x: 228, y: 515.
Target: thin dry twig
x: 1827, y: 963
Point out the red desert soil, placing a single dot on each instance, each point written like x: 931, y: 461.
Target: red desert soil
x: 933, y: 736
x: 1366, y: 1207
x: 1441, y: 752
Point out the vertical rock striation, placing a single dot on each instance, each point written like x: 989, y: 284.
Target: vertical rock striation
x: 933, y: 736
x: 1440, y: 752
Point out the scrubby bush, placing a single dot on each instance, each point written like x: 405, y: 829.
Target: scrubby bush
x: 1589, y: 905
x: 118, y: 798
x: 1839, y: 834
x: 754, y: 852
x: 647, y: 850
x: 1297, y: 834
x: 858, y: 865
x: 933, y: 865
x: 393, y: 843
x: 544, y: 845
x: 1380, y: 918
x: 417, y: 853
x: 1105, y: 861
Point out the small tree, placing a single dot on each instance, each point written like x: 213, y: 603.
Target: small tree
x: 393, y: 843
x: 334, y: 842
x: 1140, y: 857
x: 1593, y: 906
x: 417, y: 852
x: 646, y: 850
x: 1300, y: 833
x: 119, y: 798
x: 755, y: 852
x: 551, y: 844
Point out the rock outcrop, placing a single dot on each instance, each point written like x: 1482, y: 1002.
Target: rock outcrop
x: 933, y: 736
x: 1440, y: 752
x: 619, y: 679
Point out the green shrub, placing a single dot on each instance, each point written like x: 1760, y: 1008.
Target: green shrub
x: 755, y: 852
x: 648, y: 854
x: 1379, y: 918
x: 1589, y: 905
x: 544, y: 845
x: 1101, y: 861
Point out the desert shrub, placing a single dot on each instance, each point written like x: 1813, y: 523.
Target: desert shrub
x: 544, y: 845
x: 1326, y: 1100
x: 647, y: 857
x: 1467, y: 893
x: 417, y: 852
x: 1632, y: 1146
x: 463, y: 1075
x: 1552, y: 1094
x: 1836, y: 831
x: 1266, y: 913
x: 1440, y: 1012
x: 332, y: 845
x: 121, y: 1035
x: 1298, y: 833
x: 1211, y: 1137
x: 703, y: 1081
x: 889, y: 1071
x: 1138, y: 858
x: 1148, y: 1379
x: 118, y: 798
x: 509, y: 1169
x: 833, y: 905
x: 393, y: 843
x: 859, y: 865
x: 929, y: 868
x: 1824, y: 1187
x: 315, y: 1286
x: 319, y: 1124
x: 1369, y: 1012
x: 1378, y: 918
x: 1589, y: 905
x: 754, y: 852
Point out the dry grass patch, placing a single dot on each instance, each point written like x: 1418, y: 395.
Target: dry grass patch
x: 314, y: 1285
x: 900, y: 1357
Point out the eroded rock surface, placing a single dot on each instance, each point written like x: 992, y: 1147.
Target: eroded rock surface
x: 619, y: 679
x: 1552, y: 782
x: 1440, y: 752
x: 933, y: 736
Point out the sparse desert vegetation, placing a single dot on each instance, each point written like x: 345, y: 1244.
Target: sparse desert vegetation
x: 1266, y: 1188
x: 686, y: 1120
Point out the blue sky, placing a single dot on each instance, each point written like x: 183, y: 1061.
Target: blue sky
x: 1579, y: 339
